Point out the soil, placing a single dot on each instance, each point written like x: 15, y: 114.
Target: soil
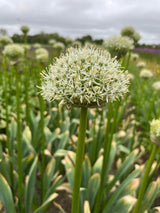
x: 64, y: 201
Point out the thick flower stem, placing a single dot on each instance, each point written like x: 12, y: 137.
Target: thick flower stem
x: 79, y: 160
x: 145, y: 179
x: 7, y: 123
x: 19, y: 142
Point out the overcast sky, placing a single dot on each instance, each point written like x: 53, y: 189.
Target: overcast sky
x: 75, y: 18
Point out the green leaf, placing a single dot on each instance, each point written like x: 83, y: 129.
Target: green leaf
x: 46, y: 203
x: 6, y: 195
x: 93, y: 187
x: 150, y: 196
x: 86, y: 170
x: 116, y: 194
x: 48, y: 174
x: 126, y: 166
x: 86, y: 207
x: 27, y: 138
x: 30, y: 186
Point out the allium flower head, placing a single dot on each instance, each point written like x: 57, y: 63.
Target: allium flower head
x: 145, y: 73
x: 136, y: 37
x: 52, y: 41
x: 13, y: 51
x: 59, y: 46
x: 155, y: 131
x: 84, y: 77
x: 24, y: 29
x: 42, y: 57
x: 69, y: 40
x: 118, y: 46
x: 37, y: 45
x: 128, y: 31
x: 4, y: 40
x: 41, y: 51
x: 141, y: 64
x: 76, y: 44
x: 134, y: 56
x: 156, y: 85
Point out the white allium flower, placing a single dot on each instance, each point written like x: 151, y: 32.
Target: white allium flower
x: 136, y: 37
x: 145, y: 73
x: 41, y: 51
x: 4, y: 40
x: 59, y: 46
x: 25, y: 29
x: 134, y: 56
x: 69, y: 40
x: 25, y: 46
x: 128, y: 31
x: 141, y: 64
x: 13, y: 51
x: 84, y: 77
x: 52, y: 41
x: 131, y: 76
x: 118, y: 46
x: 155, y: 131
x: 76, y: 44
x: 156, y: 85
x: 37, y: 45
x: 43, y: 57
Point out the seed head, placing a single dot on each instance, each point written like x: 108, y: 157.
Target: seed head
x: 156, y: 85
x: 84, y: 78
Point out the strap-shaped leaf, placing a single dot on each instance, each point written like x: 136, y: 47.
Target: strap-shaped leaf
x: 30, y: 186
x: 6, y: 196
x: 45, y: 204
x: 116, y: 194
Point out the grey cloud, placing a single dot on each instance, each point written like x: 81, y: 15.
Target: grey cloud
x: 75, y: 18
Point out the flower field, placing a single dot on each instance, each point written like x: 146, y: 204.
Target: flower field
x: 79, y: 127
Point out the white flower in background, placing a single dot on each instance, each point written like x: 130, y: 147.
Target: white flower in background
x: 42, y: 57
x: 25, y: 29
x: 131, y: 76
x: 141, y: 64
x: 84, y: 77
x: 130, y: 32
x: 155, y: 131
x: 145, y: 73
x: 127, y: 31
x: 41, y: 51
x: 37, y: 45
x: 76, y: 44
x: 59, y: 46
x: 134, y: 56
x: 52, y: 41
x: 25, y: 46
x: 156, y: 85
x: 69, y: 40
x: 4, y: 40
x: 118, y: 46
x: 13, y: 51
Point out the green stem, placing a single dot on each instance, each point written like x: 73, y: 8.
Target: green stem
x: 145, y: 179
x: 106, y: 153
x: 19, y: 142
x: 79, y: 160
x: 7, y: 122
x: 26, y: 90
x: 42, y: 107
